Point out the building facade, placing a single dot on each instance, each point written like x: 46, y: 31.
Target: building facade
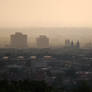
x: 42, y: 42
x: 18, y: 40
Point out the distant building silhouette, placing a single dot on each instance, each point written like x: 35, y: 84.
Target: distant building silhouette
x: 78, y: 44
x: 70, y: 44
x: 67, y: 43
x: 42, y: 42
x: 18, y: 40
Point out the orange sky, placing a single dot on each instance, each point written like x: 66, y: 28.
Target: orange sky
x: 35, y: 13
x: 47, y: 13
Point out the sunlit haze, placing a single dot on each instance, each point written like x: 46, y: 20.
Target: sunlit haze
x: 28, y: 15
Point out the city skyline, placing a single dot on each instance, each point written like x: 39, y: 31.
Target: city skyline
x: 57, y: 35
x: 20, y: 40
x: 57, y: 19
x: 45, y: 45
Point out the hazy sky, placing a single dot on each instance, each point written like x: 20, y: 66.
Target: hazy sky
x: 17, y: 14
x: 48, y: 13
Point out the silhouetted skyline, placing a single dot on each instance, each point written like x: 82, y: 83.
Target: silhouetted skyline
x: 57, y: 36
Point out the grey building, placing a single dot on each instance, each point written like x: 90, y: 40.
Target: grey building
x: 42, y: 42
x: 18, y: 40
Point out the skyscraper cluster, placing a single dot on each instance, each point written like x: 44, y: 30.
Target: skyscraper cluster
x: 19, y: 40
x: 71, y: 44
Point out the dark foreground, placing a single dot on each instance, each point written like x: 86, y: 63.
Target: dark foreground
x: 57, y: 70
x: 41, y: 86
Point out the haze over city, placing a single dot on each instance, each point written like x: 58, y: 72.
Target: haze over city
x: 58, y: 19
x: 45, y: 45
x: 57, y: 36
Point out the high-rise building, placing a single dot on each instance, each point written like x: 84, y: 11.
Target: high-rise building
x: 18, y: 40
x: 67, y: 43
x: 42, y: 42
x: 78, y: 44
x: 72, y: 44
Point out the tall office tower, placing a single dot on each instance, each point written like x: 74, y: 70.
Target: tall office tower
x: 78, y: 44
x: 18, y: 40
x: 42, y: 42
x: 72, y: 44
x: 67, y: 43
